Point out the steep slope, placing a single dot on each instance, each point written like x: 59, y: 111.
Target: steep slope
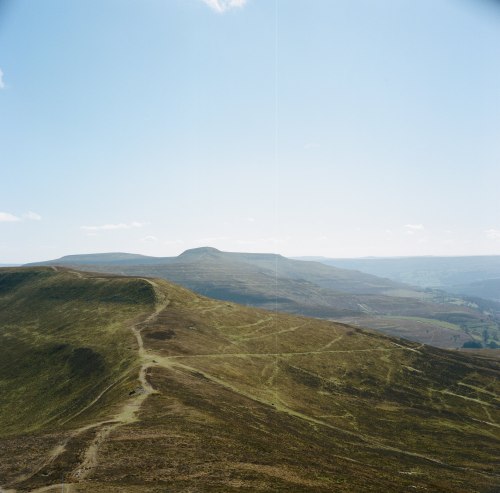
x: 308, y: 288
x: 202, y: 395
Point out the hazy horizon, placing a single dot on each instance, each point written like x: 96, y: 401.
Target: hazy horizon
x: 334, y: 129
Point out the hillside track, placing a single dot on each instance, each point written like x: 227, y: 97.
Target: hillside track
x: 130, y: 410
x: 361, y: 439
x: 103, y: 429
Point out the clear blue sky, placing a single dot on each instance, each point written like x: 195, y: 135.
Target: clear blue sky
x: 321, y: 127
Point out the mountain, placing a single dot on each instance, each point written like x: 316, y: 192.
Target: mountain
x: 309, y: 288
x: 324, y: 276
x: 125, y: 384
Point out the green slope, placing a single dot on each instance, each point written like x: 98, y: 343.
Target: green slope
x: 207, y: 395
x: 64, y: 339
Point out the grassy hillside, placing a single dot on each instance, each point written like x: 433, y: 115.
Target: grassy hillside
x: 207, y: 395
x: 309, y: 288
x: 64, y: 339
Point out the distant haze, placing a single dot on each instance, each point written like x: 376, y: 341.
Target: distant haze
x: 341, y: 129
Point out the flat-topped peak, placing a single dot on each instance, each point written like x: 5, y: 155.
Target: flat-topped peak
x: 200, y: 251
x: 95, y: 259
x: 110, y: 256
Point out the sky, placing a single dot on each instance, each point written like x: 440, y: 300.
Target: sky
x: 339, y: 128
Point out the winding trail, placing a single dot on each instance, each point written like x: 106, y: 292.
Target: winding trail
x: 127, y: 414
x: 130, y: 411
x: 284, y: 354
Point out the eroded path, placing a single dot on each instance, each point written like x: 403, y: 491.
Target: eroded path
x: 126, y: 415
x: 130, y: 411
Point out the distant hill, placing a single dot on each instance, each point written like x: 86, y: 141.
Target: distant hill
x: 117, y: 258
x: 488, y: 289
x: 475, y: 276
x: 124, y: 384
x: 272, y: 281
x: 435, y: 272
